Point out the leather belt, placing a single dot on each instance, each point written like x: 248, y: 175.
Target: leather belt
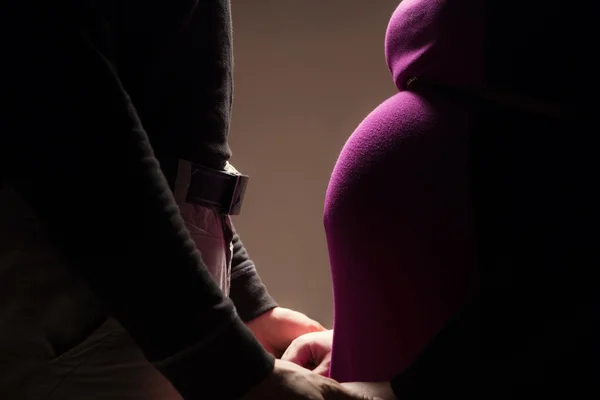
x: 222, y: 190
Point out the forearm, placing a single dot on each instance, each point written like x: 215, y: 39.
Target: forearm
x: 187, y: 111
x: 248, y: 292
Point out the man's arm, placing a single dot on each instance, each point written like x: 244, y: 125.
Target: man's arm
x: 176, y: 60
x: 180, y: 78
x: 73, y: 146
x: 248, y: 292
x: 179, y: 75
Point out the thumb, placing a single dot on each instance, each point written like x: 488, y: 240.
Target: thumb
x: 323, y: 368
x: 298, y: 353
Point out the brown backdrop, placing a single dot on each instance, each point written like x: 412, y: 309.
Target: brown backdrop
x: 306, y: 73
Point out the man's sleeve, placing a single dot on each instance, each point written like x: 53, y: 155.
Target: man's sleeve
x: 73, y: 146
x: 181, y: 82
x: 248, y: 292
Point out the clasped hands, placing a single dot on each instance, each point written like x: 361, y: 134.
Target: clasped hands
x: 304, y: 348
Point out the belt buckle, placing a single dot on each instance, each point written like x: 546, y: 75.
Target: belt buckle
x: 234, y: 206
x: 237, y: 196
x: 222, y: 190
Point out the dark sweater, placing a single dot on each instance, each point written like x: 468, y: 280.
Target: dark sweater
x: 95, y: 97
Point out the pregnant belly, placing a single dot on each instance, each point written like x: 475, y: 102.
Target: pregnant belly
x: 397, y: 232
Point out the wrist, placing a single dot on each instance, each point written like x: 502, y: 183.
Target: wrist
x: 259, y: 327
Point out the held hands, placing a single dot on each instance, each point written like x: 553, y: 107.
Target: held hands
x: 277, y: 328
x: 312, y: 351
x: 308, y: 345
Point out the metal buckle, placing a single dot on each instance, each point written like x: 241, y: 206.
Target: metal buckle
x: 237, y: 196
x: 222, y: 190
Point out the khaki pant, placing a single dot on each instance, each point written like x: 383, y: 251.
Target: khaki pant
x: 56, y: 342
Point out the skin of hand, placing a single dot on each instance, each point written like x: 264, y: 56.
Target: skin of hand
x: 289, y: 381
x: 311, y: 351
x: 277, y: 328
x: 382, y: 390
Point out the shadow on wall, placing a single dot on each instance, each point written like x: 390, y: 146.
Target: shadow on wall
x: 306, y: 73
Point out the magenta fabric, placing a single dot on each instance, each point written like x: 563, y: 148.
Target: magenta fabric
x: 397, y: 214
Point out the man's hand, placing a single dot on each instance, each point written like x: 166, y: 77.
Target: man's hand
x: 291, y: 382
x: 311, y: 351
x: 381, y: 390
x: 277, y: 328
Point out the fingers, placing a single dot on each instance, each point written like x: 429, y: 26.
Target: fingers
x: 298, y: 353
x: 317, y: 327
x: 312, y: 351
x: 323, y: 368
x: 301, y: 323
x: 302, y: 354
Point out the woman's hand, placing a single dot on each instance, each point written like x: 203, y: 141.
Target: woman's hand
x: 378, y: 390
x: 311, y: 351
